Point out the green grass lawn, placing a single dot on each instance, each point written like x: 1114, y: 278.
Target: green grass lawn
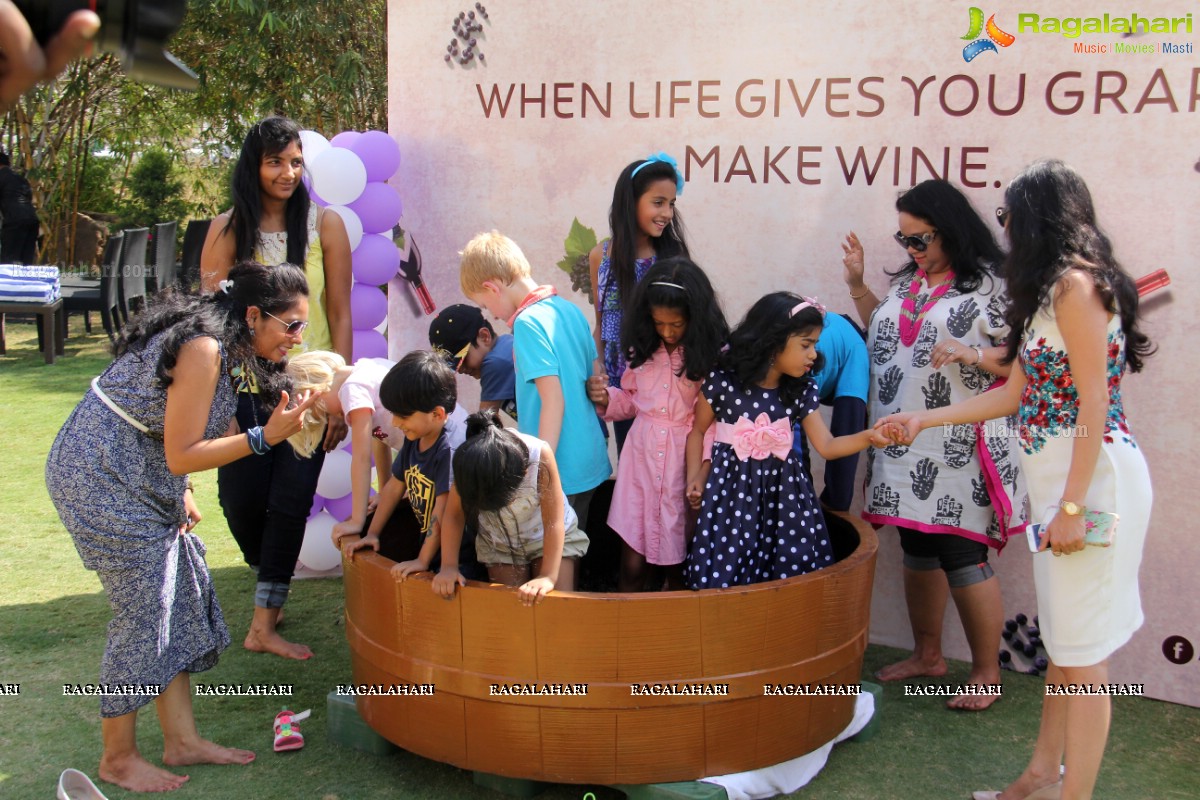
x: 53, y: 616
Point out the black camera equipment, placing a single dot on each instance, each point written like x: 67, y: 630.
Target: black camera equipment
x: 135, y: 31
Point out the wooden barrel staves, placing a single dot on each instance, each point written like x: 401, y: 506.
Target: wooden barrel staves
x: 612, y: 688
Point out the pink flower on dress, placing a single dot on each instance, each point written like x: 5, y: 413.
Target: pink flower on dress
x: 762, y: 438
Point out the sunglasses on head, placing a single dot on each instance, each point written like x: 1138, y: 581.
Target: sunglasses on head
x: 1002, y: 214
x: 294, y: 328
x: 918, y: 242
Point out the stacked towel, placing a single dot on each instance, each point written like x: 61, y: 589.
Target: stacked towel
x: 21, y: 283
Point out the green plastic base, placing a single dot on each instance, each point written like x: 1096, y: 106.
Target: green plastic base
x: 872, y: 727
x: 513, y: 787
x: 683, y: 790
x: 348, y: 729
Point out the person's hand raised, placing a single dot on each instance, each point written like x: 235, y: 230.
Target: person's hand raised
x: 285, y: 421
x: 853, y: 261
x: 24, y: 63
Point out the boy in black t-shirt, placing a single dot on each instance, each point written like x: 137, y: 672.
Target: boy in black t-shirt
x: 420, y: 391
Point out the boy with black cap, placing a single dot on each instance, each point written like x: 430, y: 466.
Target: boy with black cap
x: 473, y: 348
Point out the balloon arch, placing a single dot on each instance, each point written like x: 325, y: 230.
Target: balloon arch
x: 348, y: 175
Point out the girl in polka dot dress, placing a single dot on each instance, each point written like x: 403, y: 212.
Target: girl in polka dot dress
x: 759, y: 517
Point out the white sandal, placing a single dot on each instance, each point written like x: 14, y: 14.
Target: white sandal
x: 74, y: 785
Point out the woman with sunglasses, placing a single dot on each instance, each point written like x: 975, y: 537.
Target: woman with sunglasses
x: 266, y: 498
x: 935, y: 338
x: 1078, y: 311
x: 118, y: 476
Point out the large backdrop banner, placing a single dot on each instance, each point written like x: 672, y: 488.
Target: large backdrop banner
x: 794, y: 123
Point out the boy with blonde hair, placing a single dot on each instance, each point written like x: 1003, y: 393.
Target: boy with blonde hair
x: 554, y: 351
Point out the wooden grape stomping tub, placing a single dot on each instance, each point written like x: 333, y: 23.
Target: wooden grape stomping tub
x: 806, y: 630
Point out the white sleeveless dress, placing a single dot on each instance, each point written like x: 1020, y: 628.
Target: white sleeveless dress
x: 1088, y: 602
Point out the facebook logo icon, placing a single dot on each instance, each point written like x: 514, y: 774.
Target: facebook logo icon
x: 1178, y: 650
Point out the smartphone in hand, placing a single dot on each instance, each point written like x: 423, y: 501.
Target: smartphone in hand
x: 1100, y: 528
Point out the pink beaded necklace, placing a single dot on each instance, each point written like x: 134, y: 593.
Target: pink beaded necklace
x: 910, y: 318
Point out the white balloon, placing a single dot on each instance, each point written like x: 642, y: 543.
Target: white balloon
x: 335, y: 475
x: 338, y: 176
x: 382, y: 327
x: 313, y: 144
x: 317, y: 552
x: 353, y: 224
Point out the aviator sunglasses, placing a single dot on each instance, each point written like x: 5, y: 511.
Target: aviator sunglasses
x: 294, y: 328
x: 918, y: 243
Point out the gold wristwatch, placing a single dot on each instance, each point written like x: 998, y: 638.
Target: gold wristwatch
x: 1071, y: 509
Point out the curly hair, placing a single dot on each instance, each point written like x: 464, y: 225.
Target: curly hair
x: 622, y: 222
x: 1052, y: 229
x: 314, y: 371
x: 763, y: 335
x: 965, y: 238
x: 267, y: 138
x: 691, y: 295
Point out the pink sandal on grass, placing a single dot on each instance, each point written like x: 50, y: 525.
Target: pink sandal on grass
x: 287, y: 732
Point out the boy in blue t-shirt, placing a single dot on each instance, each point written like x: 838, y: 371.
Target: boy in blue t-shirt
x: 473, y: 348
x: 842, y: 382
x: 421, y: 393
x: 554, y: 351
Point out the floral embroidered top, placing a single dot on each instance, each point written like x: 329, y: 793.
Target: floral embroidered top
x: 611, y: 311
x: 1050, y: 402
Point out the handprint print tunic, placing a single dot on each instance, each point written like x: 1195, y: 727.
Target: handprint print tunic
x: 940, y: 484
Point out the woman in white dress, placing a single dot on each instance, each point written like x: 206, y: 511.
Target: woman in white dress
x: 1077, y: 309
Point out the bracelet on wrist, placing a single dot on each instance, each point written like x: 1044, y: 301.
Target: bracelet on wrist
x: 978, y: 352
x: 189, y: 487
x: 257, y: 440
x: 866, y: 290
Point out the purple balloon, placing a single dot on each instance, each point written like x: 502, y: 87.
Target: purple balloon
x: 378, y: 207
x: 375, y: 260
x: 379, y: 153
x: 345, y: 139
x: 369, y: 344
x: 318, y: 504
x: 340, y: 508
x: 368, y: 306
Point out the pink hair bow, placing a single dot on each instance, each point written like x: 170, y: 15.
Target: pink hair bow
x: 807, y: 302
x: 761, y: 438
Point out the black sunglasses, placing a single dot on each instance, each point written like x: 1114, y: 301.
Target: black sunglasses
x: 918, y: 242
x: 1002, y: 215
x: 294, y: 328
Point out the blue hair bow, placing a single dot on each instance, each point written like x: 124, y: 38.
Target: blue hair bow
x: 666, y: 159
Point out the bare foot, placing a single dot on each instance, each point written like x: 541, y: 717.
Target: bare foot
x: 912, y: 667
x: 262, y: 642
x: 980, y: 699
x: 202, y: 751
x: 136, y: 774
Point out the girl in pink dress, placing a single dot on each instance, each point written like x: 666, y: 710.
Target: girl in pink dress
x: 672, y: 330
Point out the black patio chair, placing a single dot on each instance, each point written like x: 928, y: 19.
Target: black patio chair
x: 189, y: 262
x: 166, y: 270
x: 104, y: 298
x: 133, y: 271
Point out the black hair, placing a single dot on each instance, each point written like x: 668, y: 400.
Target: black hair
x: 421, y: 381
x: 266, y: 138
x: 489, y: 469
x: 706, y: 330
x: 763, y: 334
x: 965, y: 238
x: 622, y: 222
x: 4, y: 159
x: 221, y: 315
x: 1052, y: 229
